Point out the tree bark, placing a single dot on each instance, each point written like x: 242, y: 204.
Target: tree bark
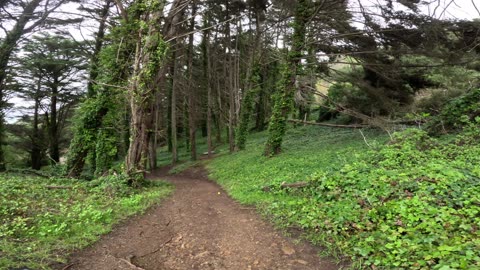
x: 36, y: 153
x: 253, y: 87
x: 192, y: 95
x: 206, y: 69
x: 173, y: 113
x: 149, y: 60
x: 98, y: 47
x: 54, y: 148
x: 284, y: 101
x: 78, y: 150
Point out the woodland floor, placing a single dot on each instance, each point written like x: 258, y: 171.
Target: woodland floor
x: 198, y: 227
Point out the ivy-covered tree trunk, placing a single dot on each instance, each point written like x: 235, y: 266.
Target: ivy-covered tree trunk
x: 149, y: 56
x: 208, y: 84
x: 253, y: 84
x: 3, y: 166
x: 85, y: 133
x: 284, y: 97
x: 260, y: 111
x: 248, y: 106
x: 94, y: 62
x: 173, y: 112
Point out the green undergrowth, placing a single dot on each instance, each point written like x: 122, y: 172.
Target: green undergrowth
x: 42, y: 220
x: 164, y: 157
x: 183, y: 166
x: 410, y: 203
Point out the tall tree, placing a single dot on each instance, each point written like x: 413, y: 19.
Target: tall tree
x: 32, y: 14
x: 191, y: 85
x: 208, y: 84
x: 253, y: 83
x: 284, y: 99
x: 86, y: 131
x: 150, y: 58
x: 55, y: 63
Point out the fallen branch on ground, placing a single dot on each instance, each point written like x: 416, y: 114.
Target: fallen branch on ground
x: 286, y: 185
x: 69, y: 265
x: 58, y: 187
x: 327, y: 125
x: 128, y: 261
x: 29, y: 171
x: 294, y: 185
x: 159, y: 248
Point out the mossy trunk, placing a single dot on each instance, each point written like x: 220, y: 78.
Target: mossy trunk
x: 247, y: 107
x: 253, y: 84
x: 284, y: 97
x: 150, y: 55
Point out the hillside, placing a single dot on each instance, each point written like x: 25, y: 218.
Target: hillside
x: 412, y: 203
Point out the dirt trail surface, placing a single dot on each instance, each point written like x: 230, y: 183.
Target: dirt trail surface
x: 198, y: 227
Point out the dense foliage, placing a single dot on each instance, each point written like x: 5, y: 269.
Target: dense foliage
x: 410, y: 204
x: 457, y: 113
x: 43, y: 219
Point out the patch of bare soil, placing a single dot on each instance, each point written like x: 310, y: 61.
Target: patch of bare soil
x: 198, y: 227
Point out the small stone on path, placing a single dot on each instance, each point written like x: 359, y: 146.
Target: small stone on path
x: 288, y: 250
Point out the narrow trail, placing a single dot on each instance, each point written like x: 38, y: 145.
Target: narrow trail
x: 198, y: 227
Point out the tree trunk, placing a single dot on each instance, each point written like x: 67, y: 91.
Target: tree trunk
x: 253, y: 88
x: 78, y: 150
x: 169, y: 104
x: 185, y: 125
x: 219, y: 115
x: 228, y: 70
x: 173, y: 113
x: 54, y: 148
x: 36, y: 153
x: 206, y: 69
x: 3, y: 166
x: 284, y: 100
x: 149, y: 58
x: 98, y: 47
x: 192, y: 94
x: 260, y: 111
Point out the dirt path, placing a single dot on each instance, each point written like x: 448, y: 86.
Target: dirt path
x: 199, y: 227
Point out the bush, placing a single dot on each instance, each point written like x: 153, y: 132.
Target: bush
x: 352, y: 97
x: 457, y: 113
x: 433, y: 100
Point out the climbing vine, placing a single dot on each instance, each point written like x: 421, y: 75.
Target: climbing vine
x: 283, y: 101
x: 247, y: 106
x: 285, y: 95
x: 150, y: 55
x: 92, y: 117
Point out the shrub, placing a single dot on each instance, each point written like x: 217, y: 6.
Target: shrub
x: 457, y: 113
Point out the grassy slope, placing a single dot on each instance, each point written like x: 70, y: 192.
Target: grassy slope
x: 40, y: 225
x: 411, y: 204
x: 305, y: 150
